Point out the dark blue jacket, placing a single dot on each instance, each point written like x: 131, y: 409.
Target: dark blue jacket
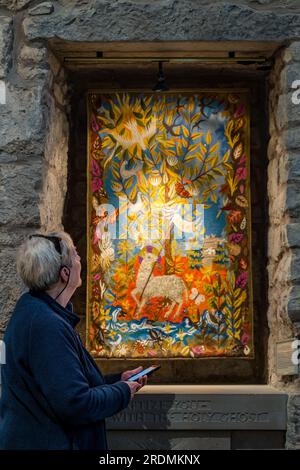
x: 53, y: 394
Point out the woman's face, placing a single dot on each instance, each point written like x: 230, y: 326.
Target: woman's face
x: 75, y: 271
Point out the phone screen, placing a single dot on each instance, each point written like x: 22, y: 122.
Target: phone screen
x: 147, y: 371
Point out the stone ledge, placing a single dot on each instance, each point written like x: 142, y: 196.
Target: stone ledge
x: 206, y: 407
x: 210, y: 389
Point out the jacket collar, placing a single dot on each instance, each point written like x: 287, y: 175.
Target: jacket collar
x: 65, y: 312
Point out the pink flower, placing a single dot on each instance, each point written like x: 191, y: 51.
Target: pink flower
x: 243, y: 159
x: 95, y: 168
x: 95, y: 125
x: 240, y: 111
x: 97, y: 277
x: 198, y: 350
x: 152, y: 353
x: 245, y: 338
x: 236, y: 237
x: 241, y: 173
x: 97, y: 183
x: 242, y: 280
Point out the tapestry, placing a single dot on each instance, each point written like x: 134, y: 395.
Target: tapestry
x: 169, y: 224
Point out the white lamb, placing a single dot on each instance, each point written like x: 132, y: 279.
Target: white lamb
x: 149, y: 286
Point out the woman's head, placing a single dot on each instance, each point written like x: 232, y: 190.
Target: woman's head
x: 45, y: 262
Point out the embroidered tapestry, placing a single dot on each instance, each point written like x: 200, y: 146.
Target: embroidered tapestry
x: 169, y: 248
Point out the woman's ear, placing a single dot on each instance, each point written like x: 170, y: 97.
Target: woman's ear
x: 65, y: 273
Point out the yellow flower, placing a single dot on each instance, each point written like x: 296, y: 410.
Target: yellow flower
x: 112, y: 334
x: 181, y: 334
x: 207, y: 273
x: 189, y: 277
x: 168, y: 328
x: 104, y: 316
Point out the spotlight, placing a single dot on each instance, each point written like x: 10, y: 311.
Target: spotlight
x: 161, y: 82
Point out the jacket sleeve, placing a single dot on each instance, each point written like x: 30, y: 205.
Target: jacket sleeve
x: 112, y: 378
x: 56, y: 367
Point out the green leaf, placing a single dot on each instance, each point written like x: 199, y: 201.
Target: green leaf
x: 118, y: 149
x: 143, y: 105
x: 119, y: 119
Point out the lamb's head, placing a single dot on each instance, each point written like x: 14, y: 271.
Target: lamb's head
x: 149, y: 258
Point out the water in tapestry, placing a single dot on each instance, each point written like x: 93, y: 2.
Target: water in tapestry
x: 169, y: 249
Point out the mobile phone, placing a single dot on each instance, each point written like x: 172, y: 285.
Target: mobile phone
x: 144, y: 372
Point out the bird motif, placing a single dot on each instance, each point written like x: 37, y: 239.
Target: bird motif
x: 127, y: 173
x: 138, y: 136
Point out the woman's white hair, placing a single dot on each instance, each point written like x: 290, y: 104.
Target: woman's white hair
x: 39, y: 263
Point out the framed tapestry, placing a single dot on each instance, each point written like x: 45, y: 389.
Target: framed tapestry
x: 169, y: 224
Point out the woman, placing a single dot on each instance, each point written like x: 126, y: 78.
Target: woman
x: 53, y: 394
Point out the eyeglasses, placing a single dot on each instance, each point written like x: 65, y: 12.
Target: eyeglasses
x: 55, y: 240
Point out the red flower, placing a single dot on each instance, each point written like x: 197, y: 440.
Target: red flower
x: 234, y: 216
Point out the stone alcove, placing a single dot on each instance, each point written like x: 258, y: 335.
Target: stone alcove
x: 187, y: 76
x: 43, y: 145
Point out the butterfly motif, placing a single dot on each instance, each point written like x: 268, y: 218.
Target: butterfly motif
x: 181, y: 191
x: 196, y: 296
x: 156, y: 336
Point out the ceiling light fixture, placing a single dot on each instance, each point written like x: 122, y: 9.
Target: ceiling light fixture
x: 161, y: 82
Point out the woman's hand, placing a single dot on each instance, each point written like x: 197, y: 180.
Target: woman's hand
x: 134, y: 387
x: 139, y: 383
x: 128, y: 373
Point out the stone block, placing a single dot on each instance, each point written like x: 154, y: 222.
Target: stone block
x: 22, y: 125
x: 169, y: 440
x: 163, y: 21
x: 286, y: 113
x: 6, y: 44
x: 197, y: 407
x: 293, y: 167
x: 293, y: 306
x: 290, y: 139
x: 292, y: 52
x: 278, y: 206
x: 11, y: 236
x: 293, y: 430
x: 275, y: 245
x: 293, y: 235
x: 282, y: 273
x: 295, y: 267
x: 32, y: 62
x: 20, y: 186
x: 11, y: 286
x: 14, y: 5
x: 44, y: 8
x: 293, y: 200
x: 52, y: 202
x: 289, y: 74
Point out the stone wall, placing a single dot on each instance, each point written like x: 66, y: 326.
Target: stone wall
x: 33, y: 149
x: 284, y: 218
x: 34, y: 127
